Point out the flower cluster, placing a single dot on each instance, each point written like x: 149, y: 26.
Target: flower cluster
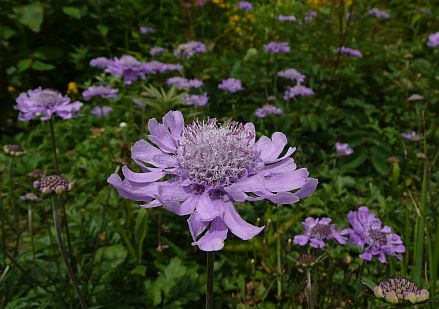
x: 195, y: 99
x: 53, y: 184
x: 277, y: 47
x: 100, y: 91
x: 354, y: 53
x: 399, y: 290
x: 268, y: 110
x: 231, y: 85
x: 156, y: 51
x: 101, y: 111
x: 411, y: 136
x: 298, y: 91
x: 245, y: 5
x: 127, y: 66
x: 44, y: 103
x: 99, y: 62
x: 383, y: 15
x: 292, y: 74
x: 286, y: 18
x: 343, y: 149
x: 317, y: 231
x: 433, y: 40
x: 154, y: 67
x: 207, y: 166
x: 367, y: 232
x: 184, y: 83
x: 188, y: 50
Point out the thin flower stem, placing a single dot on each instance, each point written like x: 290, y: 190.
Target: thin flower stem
x: 357, y: 289
x: 279, y: 263
x: 64, y: 255
x: 53, y: 139
x: 31, y: 233
x: 12, y: 202
x: 308, y: 288
x: 209, y: 291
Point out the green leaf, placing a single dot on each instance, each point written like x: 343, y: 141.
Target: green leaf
x: 369, y: 283
x: 141, y: 230
x: 111, y: 256
x: 24, y: 64
x: 72, y: 12
x: 31, y: 15
x: 103, y: 30
x: 41, y: 66
x: 139, y: 270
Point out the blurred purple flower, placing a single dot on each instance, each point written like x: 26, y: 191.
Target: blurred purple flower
x: 99, y: 62
x: 284, y: 18
x: 277, y: 47
x: 245, y: 5
x: 292, y: 74
x: 100, y: 91
x: 309, y: 17
x: 298, y: 91
x: 156, y: 51
x: 127, y: 66
x: 343, y: 150
x: 154, y: 67
x: 189, y: 49
x: 231, y: 85
x: 195, y: 99
x: 204, y: 167
x: 383, y: 15
x: 268, y: 110
x: 146, y: 30
x: 101, y: 111
x: 317, y: 231
x: 367, y: 232
x: 411, y: 136
x: 184, y: 83
x: 354, y: 53
x: 433, y: 40
x: 43, y: 103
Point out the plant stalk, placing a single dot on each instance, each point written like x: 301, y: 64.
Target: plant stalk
x: 209, y: 291
x: 53, y: 139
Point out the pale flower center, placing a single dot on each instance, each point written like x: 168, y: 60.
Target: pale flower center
x: 321, y: 231
x: 48, y: 98
x: 378, y: 237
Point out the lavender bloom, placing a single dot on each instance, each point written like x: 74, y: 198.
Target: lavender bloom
x: 99, y: 62
x: 286, y: 18
x: 379, y: 14
x: 354, y: 53
x: 101, y: 111
x: 195, y: 100
x: 188, y: 50
x: 411, y: 136
x: 343, y: 150
x: 292, y: 74
x: 317, y: 231
x: 268, y: 110
x: 231, y: 85
x: 128, y: 67
x: 100, y: 91
x: 146, y: 30
x: 184, y: 83
x: 154, y: 67
x: 156, y: 51
x: 207, y: 166
x: 245, y: 5
x: 277, y: 47
x: 433, y: 40
x: 309, y: 17
x: 44, y: 103
x: 368, y: 232
x: 298, y: 91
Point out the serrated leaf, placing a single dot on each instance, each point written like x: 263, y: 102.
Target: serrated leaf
x: 31, y: 15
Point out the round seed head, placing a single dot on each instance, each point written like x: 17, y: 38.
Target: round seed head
x: 13, y: 150
x: 306, y: 260
x: 53, y: 184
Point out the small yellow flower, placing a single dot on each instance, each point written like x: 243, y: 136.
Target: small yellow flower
x: 72, y: 88
x: 11, y: 89
x: 250, y: 17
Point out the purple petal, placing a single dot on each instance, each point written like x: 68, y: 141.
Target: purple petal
x: 174, y: 121
x: 205, y: 207
x: 300, y: 240
x: 308, y: 188
x: 214, y: 238
x: 287, y: 182
x: 237, y: 225
x: 152, y: 176
x: 196, y: 225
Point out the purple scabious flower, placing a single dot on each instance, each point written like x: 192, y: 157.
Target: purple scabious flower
x: 127, y: 66
x: 309, y: 17
x: 286, y: 18
x: 317, y: 231
x: 292, y: 74
x: 99, y: 62
x: 297, y: 91
x: 100, y: 91
x: 354, y: 53
x: 189, y: 49
x: 367, y: 232
x: 268, y: 110
x: 383, y: 15
x: 433, y: 40
x: 231, y: 85
x: 101, y: 111
x: 43, y: 103
x: 156, y: 51
x: 184, y: 83
x: 202, y: 168
x: 154, y: 67
x: 195, y: 99
x: 245, y: 5
x: 343, y: 150
x: 411, y: 136
x: 277, y: 47
x: 146, y: 30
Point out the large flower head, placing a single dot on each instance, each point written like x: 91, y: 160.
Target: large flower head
x: 317, y: 231
x: 44, y: 103
x: 208, y: 166
x: 367, y: 232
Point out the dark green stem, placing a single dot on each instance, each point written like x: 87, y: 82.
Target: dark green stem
x: 64, y: 255
x: 209, y: 291
x: 31, y: 232
x: 53, y: 139
x: 358, y: 288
